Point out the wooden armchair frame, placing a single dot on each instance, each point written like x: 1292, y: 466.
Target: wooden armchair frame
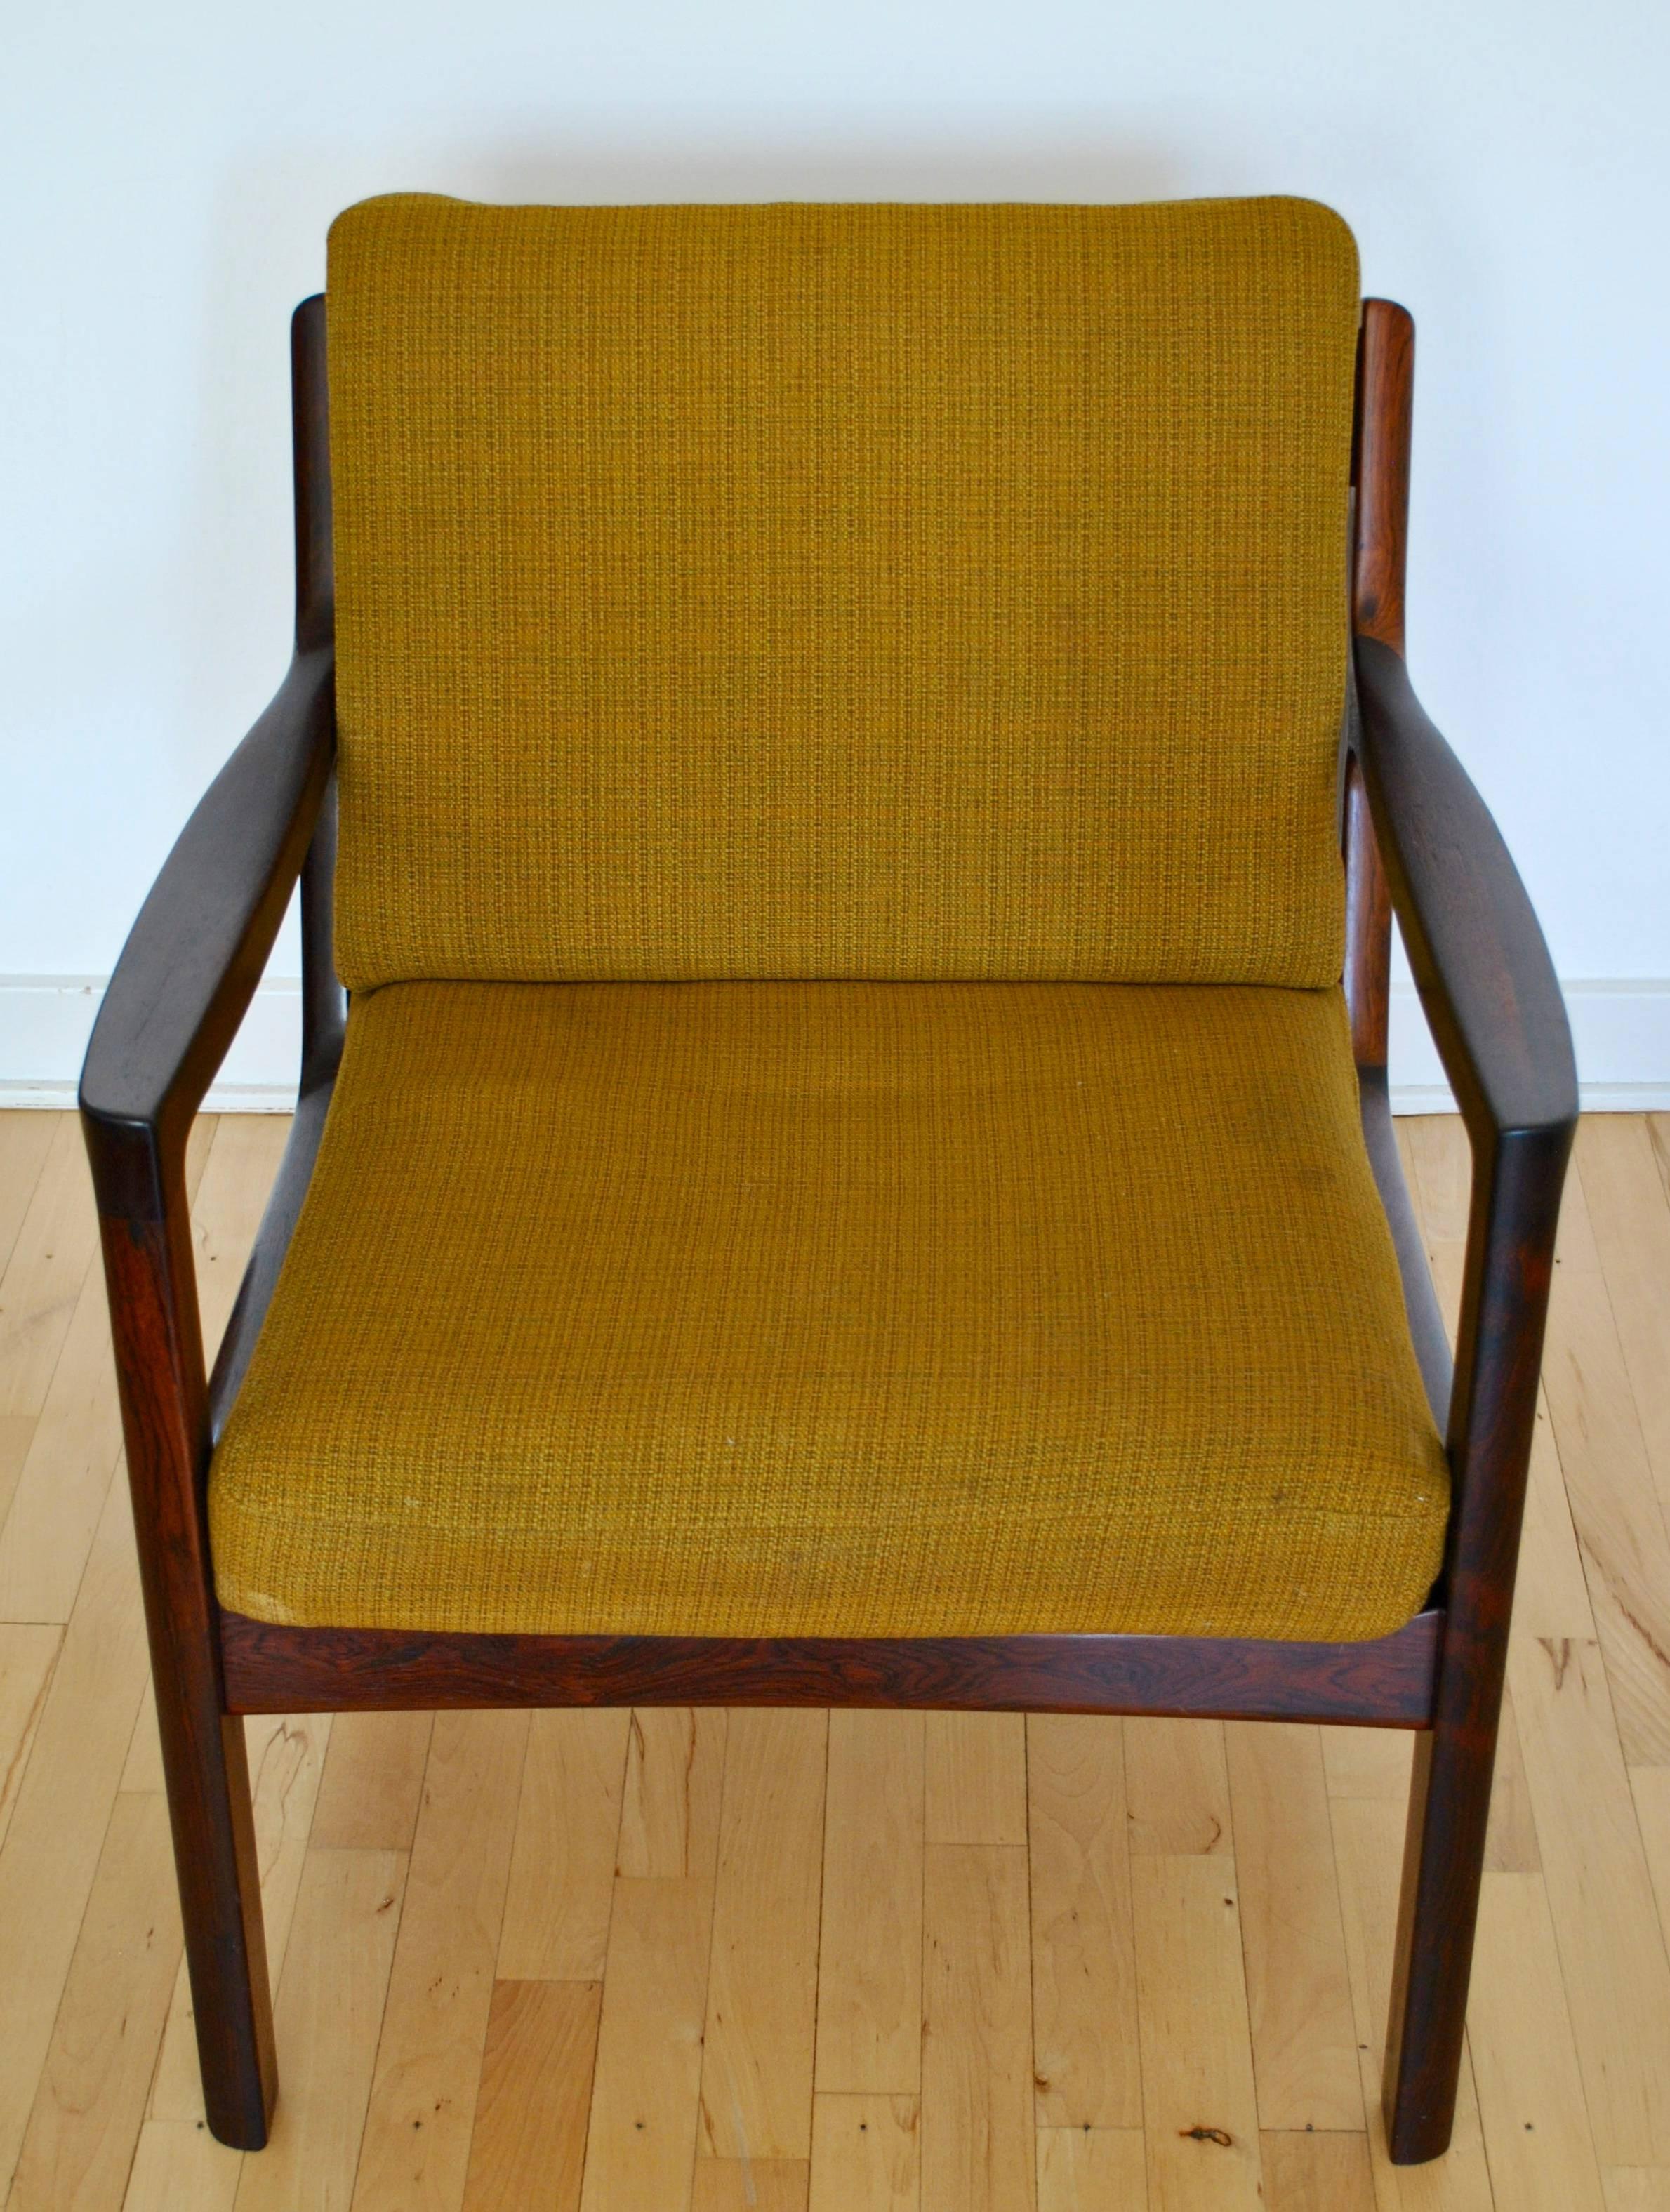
x: 180, y: 989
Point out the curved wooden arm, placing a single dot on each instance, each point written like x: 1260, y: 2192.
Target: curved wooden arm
x: 181, y: 987
x: 192, y: 961
x: 1480, y: 964
x: 1494, y: 1006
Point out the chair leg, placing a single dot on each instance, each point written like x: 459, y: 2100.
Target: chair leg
x: 145, y: 1228
x: 1449, y: 1804
x: 219, y: 1896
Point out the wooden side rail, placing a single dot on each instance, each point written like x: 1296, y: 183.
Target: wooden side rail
x: 1390, y: 1681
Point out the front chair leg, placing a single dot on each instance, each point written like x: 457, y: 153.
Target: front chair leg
x: 159, y: 1369
x: 1449, y: 1804
x: 207, y: 1770
x: 1517, y: 1176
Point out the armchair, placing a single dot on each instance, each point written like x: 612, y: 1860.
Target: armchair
x: 846, y: 729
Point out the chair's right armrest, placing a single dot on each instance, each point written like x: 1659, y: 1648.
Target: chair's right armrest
x: 195, y: 954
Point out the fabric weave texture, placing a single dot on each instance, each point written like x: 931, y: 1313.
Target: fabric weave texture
x: 837, y: 1309
x: 841, y: 591
x: 847, y: 1125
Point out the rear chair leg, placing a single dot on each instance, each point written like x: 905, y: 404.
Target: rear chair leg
x: 1449, y: 1804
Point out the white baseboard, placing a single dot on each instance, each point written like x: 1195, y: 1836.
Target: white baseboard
x: 46, y: 1021
x: 1622, y: 1032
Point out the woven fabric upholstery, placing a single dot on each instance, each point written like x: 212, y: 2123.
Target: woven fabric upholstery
x: 837, y: 1309
x: 862, y: 591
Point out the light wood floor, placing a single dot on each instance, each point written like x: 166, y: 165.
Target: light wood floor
x: 662, y: 1962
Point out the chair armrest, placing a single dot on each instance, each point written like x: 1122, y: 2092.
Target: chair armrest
x: 1481, y: 966
x: 195, y: 954
x: 1493, y: 1003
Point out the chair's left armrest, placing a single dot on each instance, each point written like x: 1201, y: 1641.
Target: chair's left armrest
x: 195, y: 954
x: 1480, y: 964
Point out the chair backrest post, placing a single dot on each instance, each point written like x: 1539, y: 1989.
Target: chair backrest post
x: 1385, y: 397
x: 1379, y: 476
x: 324, y: 1005
x: 315, y: 580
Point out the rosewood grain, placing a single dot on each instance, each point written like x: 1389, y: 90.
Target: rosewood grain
x: 158, y: 1369
x: 1516, y: 1199
x: 1379, y: 529
x: 1390, y: 1682
x: 1385, y: 417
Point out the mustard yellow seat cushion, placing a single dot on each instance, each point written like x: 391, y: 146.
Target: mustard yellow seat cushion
x: 857, y: 1307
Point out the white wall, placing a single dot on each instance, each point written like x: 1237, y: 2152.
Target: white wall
x: 167, y: 174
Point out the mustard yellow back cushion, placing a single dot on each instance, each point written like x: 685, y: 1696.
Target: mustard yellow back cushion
x: 845, y: 590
